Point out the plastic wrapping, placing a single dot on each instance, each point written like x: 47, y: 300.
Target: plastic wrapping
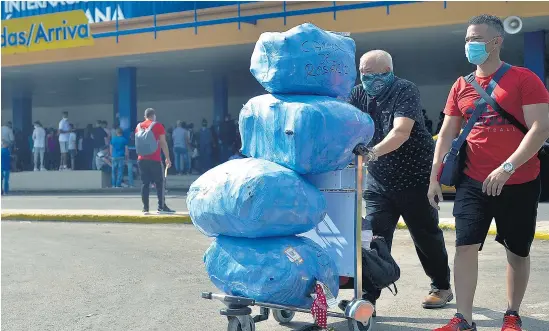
x: 280, y: 270
x: 308, y: 134
x: 254, y: 198
x: 305, y: 60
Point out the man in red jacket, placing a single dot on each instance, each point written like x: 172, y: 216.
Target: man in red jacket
x: 501, y: 176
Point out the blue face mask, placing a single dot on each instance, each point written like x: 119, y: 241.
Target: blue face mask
x: 376, y: 84
x: 476, y: 52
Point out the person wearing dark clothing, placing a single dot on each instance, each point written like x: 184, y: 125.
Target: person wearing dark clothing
x: 205, y: 141
x: 100, y: 139
x: 227, y: 137
x: 399, y: 166
x: 193, y: 144
x: 87, y: 148
x: 217, y: 144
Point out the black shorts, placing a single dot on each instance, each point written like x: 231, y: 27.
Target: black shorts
x: 514, y: 210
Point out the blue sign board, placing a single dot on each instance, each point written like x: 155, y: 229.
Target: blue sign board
x: 104, y: 11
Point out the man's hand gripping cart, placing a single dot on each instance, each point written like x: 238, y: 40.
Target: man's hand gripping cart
x: 340, y: 235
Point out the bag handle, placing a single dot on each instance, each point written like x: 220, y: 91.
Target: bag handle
x: 495, y: 106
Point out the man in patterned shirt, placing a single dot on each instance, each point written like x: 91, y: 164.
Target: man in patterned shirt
x: 399, y: 166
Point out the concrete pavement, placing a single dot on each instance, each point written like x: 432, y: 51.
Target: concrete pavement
x: 135, y: 277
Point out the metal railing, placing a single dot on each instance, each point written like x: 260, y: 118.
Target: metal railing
x: 249, y: 19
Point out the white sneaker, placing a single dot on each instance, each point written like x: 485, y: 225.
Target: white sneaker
x: 43, y: 169
x: 35, y: 169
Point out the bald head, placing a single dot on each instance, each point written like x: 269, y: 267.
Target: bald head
x: 376, y: 62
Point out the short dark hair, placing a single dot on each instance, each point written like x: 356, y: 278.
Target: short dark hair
x: 492, y: 21
x: 65, y: 113
x: 119, y: 131
x: 150, y: 112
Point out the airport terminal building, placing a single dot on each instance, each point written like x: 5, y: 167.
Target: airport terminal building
x: 190, y: 60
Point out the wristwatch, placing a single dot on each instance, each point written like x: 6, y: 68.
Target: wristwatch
x: 372, y: 155
x: 508, y: 167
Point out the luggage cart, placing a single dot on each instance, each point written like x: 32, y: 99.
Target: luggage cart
x: 340, y: 235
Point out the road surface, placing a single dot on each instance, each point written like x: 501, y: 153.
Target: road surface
x: 80, y: 276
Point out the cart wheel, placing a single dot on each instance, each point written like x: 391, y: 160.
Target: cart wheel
x: 283, y: 316
x: 234, y: 324
x: 358, y: 326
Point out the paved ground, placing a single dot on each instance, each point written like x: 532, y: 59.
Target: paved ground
x: 74, y: 276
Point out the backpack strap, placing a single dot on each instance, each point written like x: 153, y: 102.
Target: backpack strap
x: 480, y: 105
x: 151, y: 126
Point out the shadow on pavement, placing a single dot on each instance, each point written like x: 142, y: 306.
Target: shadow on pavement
x: 386, y: 323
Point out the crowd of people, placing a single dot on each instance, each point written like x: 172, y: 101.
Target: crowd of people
x: 112, y: 150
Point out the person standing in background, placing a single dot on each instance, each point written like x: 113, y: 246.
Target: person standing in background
x: 105, y: 126
x: 132, y: 158
x: 205, y: 147
x: 72, y: 146
x: 87, y: 148
x: 119, y: 154
x: 5, y: 167
x: 227, y: 137
x: 169, y: 141
x: 191, y: 147
x: 180, y: 139
x: 7, y: 134
x: 64, y: 131
x: 39, y: 146
x: 217, y: 144
x: 100, y: 139
x: 150, y: 166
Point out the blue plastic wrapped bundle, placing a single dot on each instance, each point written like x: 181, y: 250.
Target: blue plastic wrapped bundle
x: 280, y: 270
x: 308, y: 134
x: 305, y: 60
x: 254, y: 198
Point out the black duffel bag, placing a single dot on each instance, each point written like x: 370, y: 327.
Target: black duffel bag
x: 379, y: 269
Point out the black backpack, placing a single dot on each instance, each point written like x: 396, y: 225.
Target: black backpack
x: 379, y: 269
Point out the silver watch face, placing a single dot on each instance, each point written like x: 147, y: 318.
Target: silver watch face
x: 508, y: 167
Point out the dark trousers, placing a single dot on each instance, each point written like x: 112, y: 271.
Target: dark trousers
x: 384, y: 209
x: 151, y: 172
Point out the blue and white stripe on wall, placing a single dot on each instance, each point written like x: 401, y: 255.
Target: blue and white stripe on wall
x: 105, y: 11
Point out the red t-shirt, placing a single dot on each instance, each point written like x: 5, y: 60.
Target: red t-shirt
x: 158, y: 130
x: 493, y: 139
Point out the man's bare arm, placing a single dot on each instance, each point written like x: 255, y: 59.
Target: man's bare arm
x: 402, y: 128
x: 165, y: 150
x: 537, y: 121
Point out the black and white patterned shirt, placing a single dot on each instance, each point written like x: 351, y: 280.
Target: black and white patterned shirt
x: 410, y: 165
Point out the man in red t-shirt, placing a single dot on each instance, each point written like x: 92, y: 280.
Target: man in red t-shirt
x: 501, y: 176
x: 150, y: 166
